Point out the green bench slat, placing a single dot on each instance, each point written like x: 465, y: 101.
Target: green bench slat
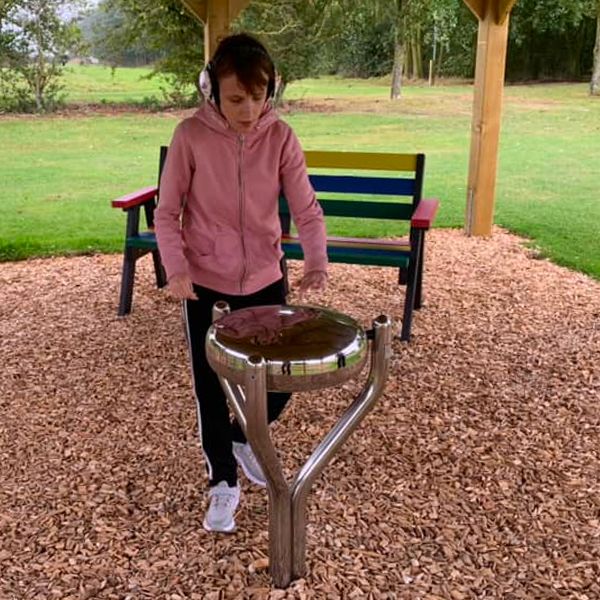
x: 353, y: 255
x: 145, y: 240
x: 365, y: 209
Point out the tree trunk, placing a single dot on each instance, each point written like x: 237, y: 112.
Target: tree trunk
x: 398, y: 68
x: 419, y: 71
x: 398, y: 53
x: 408, y: 67
x: 438, y: 63
x: 413, y: 58
x: 39, y: 86
x: 595, y: 83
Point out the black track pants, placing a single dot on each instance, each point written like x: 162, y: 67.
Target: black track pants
x: 216, y: 429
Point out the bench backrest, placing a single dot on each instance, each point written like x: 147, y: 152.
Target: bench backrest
x: 355, y: 193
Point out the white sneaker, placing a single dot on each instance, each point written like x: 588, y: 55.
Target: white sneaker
x: 246, y: 459
x: 223, y: 502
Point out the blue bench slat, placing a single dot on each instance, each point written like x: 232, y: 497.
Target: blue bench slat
x: 348, y: 184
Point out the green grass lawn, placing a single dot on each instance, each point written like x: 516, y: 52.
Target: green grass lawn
x: 60, y: 172
x: 98, y: 84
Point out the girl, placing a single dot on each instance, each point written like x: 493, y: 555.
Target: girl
x: 218, y: 232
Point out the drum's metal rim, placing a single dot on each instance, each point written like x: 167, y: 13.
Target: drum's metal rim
x: 285, y: 383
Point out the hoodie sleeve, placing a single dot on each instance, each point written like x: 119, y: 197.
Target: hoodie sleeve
x: 304, y: 207
x: 174, y: 185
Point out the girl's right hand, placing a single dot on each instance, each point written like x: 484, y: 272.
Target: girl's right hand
x: 181, y: 288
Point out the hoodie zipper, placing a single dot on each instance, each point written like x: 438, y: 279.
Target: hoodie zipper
x: 241, y: 204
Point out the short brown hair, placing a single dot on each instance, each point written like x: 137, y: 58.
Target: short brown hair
x: 243, y: 55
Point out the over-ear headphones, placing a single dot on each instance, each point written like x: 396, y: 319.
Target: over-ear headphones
x: 208, y: 81
x: 204, y: 80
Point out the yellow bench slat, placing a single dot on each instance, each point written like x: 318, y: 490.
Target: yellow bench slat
x: 380, y: 161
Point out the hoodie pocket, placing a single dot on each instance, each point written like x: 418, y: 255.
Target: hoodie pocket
x: 227, y: 257
x: 262, y: 251
x: 202, y: 248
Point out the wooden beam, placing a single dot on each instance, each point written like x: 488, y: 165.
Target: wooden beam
x: 197, y: 8
x: 216, y: 25
x: 236, y: 7
x: 503, y: 8
x: 478, y: 7
x: 487, y: 109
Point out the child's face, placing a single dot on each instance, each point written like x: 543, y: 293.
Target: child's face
x: 241, y: 108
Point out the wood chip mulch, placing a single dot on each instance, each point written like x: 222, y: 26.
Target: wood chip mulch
x: 477, y: 475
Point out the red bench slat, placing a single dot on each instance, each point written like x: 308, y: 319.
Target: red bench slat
x: 425, y: 214
x: 135, y: 198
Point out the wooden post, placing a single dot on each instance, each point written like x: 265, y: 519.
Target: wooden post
x: 216, y: 16
x: 216, y: 26
x: 485, y: 131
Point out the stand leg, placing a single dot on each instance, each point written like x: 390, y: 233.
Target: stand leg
x: 257, y: 431
x: 349, y: 421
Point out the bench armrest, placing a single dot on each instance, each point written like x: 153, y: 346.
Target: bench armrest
x: 424, y: 216
x: 135, y: 198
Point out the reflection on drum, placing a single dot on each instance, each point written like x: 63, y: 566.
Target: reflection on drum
x: 305, y: 347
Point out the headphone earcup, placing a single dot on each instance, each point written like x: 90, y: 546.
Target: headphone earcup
x: 208, y: 83
x: 271, y: 88
x: 205, y: 84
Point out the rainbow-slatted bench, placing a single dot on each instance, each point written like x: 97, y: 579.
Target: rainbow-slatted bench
x: 346, y: 187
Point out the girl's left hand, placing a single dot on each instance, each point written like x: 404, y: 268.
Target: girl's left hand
x: 313, y: 280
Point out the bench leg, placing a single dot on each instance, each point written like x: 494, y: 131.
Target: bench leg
x: 284, y: 272
x: 127, y: 280
x: 402, y: 275
x: 419, y: 291
x: 411, y: 287
x: 159, y: 271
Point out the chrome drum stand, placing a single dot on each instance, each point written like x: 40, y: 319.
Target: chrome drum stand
x: 289, y: 349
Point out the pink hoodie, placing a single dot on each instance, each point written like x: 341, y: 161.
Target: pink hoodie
x: 217, y: 218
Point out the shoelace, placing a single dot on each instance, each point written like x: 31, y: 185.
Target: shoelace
x: 222, y: 500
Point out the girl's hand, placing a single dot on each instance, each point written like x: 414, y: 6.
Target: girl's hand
x: 181, y: 288
x: 313, y: 280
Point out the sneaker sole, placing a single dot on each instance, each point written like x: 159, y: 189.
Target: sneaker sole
x: 258, y: 482
x: 229, y: 529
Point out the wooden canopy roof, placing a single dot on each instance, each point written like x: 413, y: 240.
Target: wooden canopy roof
x: 499, y: 9
x: 493, y: 16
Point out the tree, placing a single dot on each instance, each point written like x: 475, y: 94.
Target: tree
x: 595, y: 81
x: 168, y: 30
x: 100, y: 29
x: 35, y: 41
x: 394, y: 34
x: 366, y: 37
x: 295, y: 31
x: 549, y: 38
x: 411, y: 17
